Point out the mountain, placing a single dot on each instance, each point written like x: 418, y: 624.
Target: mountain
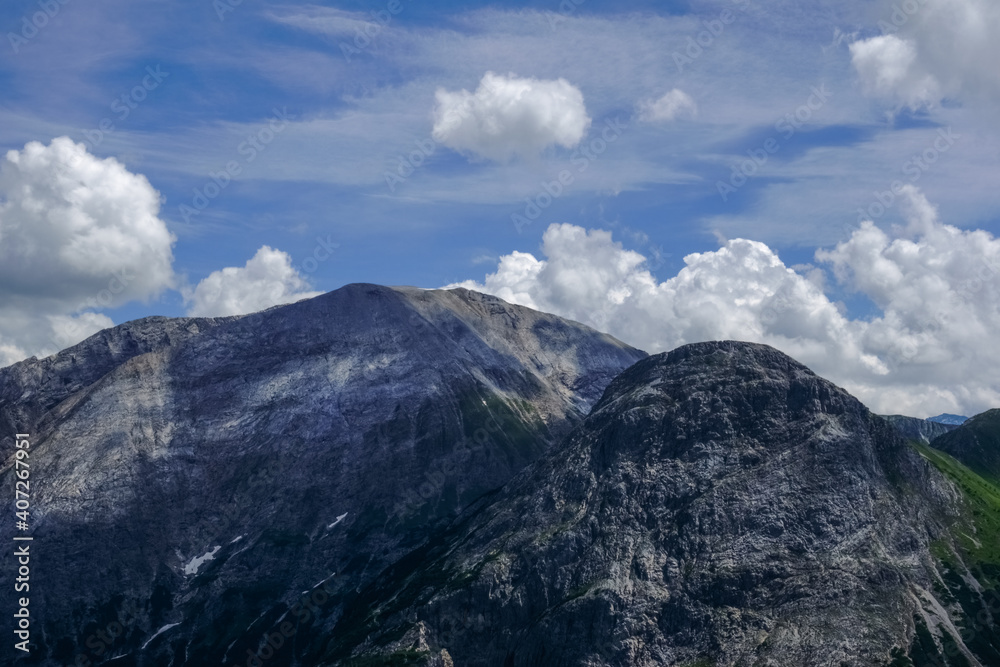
x: 197, y: 483
x: 946, y: 418
x: 921, y: 430
x: 393, y: 476
x: 720, y: 505
x: 976, y: 443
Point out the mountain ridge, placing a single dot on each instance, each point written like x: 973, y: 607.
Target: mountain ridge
x: 732, y: 455
x: 921, y: 430
x: 439, y: 478
x: 219, y: 467
x: 976, y: 443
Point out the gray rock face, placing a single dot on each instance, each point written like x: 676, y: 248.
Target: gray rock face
x: 199, y: 482
x: 393, y: 476
x: 921, y: 430
x: 721, y: 505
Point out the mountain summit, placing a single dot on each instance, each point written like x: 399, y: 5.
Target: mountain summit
x: 721, y: 505
x: 195, y: 476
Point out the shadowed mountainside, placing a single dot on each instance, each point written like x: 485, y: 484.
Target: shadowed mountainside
x: 193, y: 477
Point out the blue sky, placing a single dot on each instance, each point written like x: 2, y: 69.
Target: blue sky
x: 351, y: 108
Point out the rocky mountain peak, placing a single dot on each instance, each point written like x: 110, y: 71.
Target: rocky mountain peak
x: 443, y: 478
x: 719, y: 505
x: 218, y: 467
x: 725, y: 398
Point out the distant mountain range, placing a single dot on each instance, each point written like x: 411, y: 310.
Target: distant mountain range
x: 394, y: 476
x: 922, y: 430
x: 948, y: 419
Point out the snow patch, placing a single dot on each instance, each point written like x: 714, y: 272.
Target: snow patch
x: 192, y: 567
x: 317, y: 585
x: 339, y: 519
x: 158, y: 633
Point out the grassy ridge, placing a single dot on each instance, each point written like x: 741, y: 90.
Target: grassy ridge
x: 976, y: 538
x: 982, y: 496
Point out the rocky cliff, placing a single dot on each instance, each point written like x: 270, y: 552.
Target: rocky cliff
x: 195, y: 480
x: 392, y: 476
x: 921, y: 430
x: 721, y: 505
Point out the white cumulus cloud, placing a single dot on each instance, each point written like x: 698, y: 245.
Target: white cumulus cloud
x: 672, y: 106
x: 510, y: 116
x: 77, y: 234
x: 938, y: 288
x: 932, y: 50
x: 268, y: 279
x: 931, y: 351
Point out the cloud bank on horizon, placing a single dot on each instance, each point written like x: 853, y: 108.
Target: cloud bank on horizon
x: 930, y: 350
x: 478, y: 120
x: 78, y: 234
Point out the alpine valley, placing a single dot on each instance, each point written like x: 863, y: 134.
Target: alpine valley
x: 394, y: 476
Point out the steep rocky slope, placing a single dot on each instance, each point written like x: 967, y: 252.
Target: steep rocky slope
x: 392, y: 476
x: 721, y: 505
x: 921, y: 430
x: 193, y: 479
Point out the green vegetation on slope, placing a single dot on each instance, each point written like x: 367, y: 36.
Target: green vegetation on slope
x: 983, y: 501
x: 977, y: 540
x: 976, y: 443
